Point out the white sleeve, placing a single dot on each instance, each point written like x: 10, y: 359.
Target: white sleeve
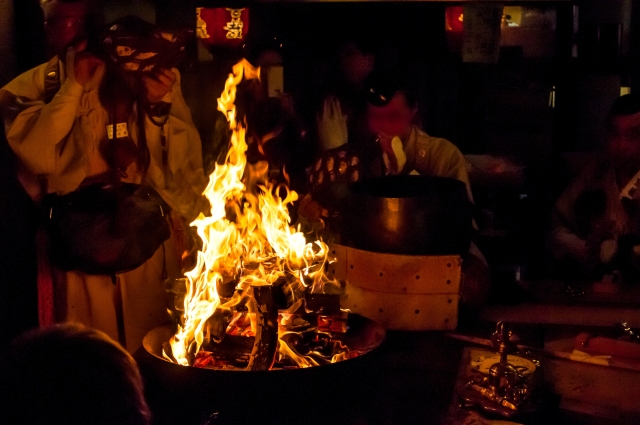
x: 36, y: 131
x: 331, y: 125
x: 184, y: 173
x: 398, y: 152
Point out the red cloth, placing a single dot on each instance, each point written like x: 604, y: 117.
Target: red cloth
x: 45, y: 282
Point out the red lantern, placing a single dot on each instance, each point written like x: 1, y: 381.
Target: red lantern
x: 454, y: 18
x: 454, y: 26
x: 222, y: 26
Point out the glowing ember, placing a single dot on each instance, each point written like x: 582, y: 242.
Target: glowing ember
x: 247, y: 239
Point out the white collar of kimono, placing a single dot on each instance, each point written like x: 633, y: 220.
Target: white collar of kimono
x: 630, y: 191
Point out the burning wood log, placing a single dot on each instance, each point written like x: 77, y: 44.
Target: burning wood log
x: 336, y: 323
x: 232, y: 353
x: 226, y: 287
x: 325, y: 304
x: 218, y: 322
x: 232, y: 346
x: 266, y: 340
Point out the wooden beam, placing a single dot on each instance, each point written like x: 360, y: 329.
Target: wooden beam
x: 408, y: 1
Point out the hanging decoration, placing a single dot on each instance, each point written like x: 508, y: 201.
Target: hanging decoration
x: 222, y: 26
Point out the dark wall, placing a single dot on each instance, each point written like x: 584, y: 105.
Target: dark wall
x: 21, y: 51
x: 496, y: 108
x: 29, y: 34
x: 607, y: 46
x: 7, y: 43
x: 409, y: 37
x: 457, y: 101
x: 481, y: 108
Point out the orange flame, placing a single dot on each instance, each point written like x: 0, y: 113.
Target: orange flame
x: 247, y: 237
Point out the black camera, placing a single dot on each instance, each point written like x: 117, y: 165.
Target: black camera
x: 136, y: 46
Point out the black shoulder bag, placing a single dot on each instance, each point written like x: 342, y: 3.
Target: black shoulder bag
x: 106, y: 228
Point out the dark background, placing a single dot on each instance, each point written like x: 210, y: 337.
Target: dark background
x: 498, y: 109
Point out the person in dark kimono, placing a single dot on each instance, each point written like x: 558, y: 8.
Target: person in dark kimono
x: 596, y: 220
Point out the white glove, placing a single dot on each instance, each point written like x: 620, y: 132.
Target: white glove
x: 332, y: 125
x: 82, y: 67
x: 398, y: 153
x: 70, y: 63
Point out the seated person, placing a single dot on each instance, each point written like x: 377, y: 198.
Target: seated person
x: 73, y: 375
x: 396, y: 146
x: 596, y: 220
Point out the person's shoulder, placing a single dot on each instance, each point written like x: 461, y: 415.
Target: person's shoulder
x: 436, y: 144
x: 35, y: 74
x: 585, y: 171
x: 423, y: 137
x: 28, y: 84
x: 597, y: 168
x: 578, y: 165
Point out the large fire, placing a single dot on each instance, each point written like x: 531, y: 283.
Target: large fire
x: 247, y: 239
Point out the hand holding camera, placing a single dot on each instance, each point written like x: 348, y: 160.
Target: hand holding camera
x: 84, y: 63
x: 158, y: 85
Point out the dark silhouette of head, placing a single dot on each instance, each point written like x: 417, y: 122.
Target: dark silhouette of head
x: 68, y: 22
x: 392, y: 104
x: 623, y: 132
x: 70, y: 374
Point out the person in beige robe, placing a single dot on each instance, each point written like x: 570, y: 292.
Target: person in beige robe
x: 57, y: 144
x: 401, y: 148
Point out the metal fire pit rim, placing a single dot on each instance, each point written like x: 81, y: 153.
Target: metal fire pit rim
x: 147, y: 344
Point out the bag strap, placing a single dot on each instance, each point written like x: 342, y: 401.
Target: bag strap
x: 51, y: 79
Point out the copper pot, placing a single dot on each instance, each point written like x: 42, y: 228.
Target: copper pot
x: 415, y: 215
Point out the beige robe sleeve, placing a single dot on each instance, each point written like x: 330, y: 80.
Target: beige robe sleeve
x: 562, y: 240
x: 439, y: 157
x: 182, y: 182
x: 36, y: 131
x: 457, y: 169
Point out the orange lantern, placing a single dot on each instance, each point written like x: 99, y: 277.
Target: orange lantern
x: 222, y: 26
